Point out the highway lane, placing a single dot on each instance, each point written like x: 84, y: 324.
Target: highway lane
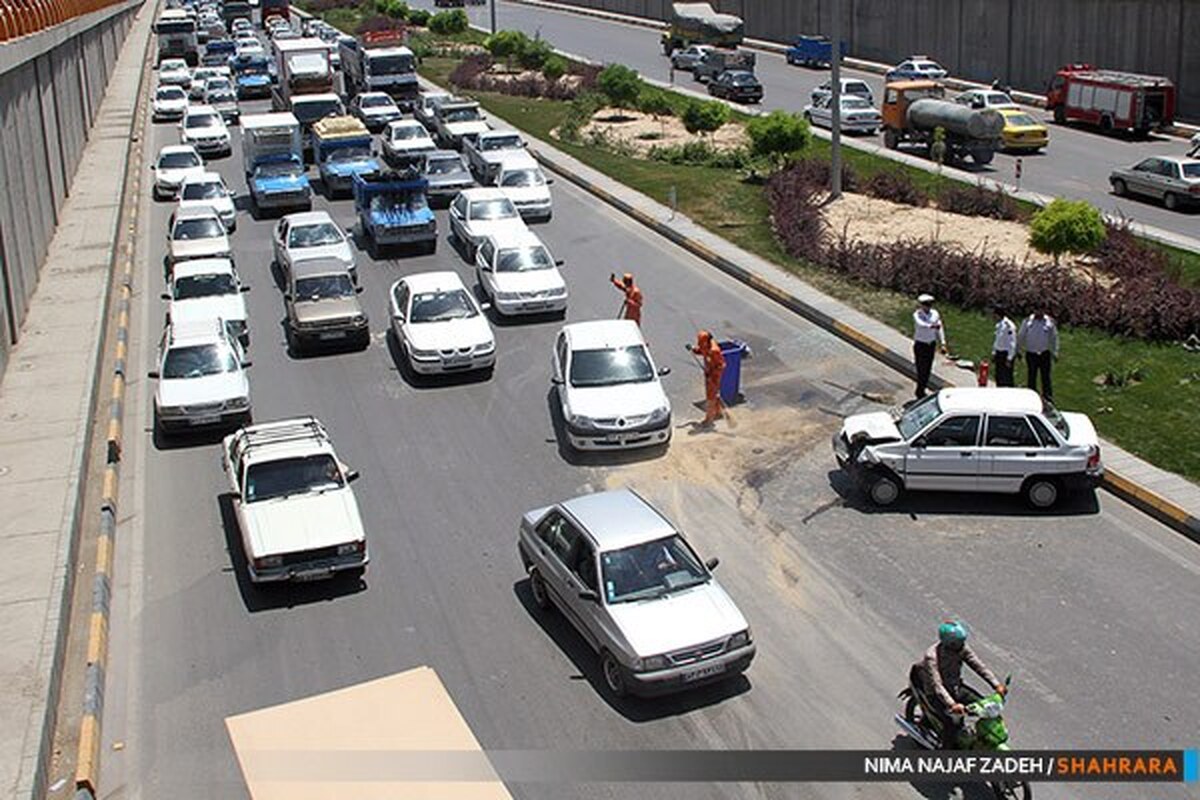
x: 1076, y: 164
x: 1092, y: 609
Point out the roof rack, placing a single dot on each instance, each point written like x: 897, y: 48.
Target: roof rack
x: 291, y: 430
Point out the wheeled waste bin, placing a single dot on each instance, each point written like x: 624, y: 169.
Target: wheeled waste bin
x: 734, y: 351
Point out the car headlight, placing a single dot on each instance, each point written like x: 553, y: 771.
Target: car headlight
x: 486, y: 347
x: 359, y: 319
x: 580, y: 421
x: 650, y: 663
x: 268, y: 562
x: 738, y: 640
x: 508, y: 295
x: 237, y: 403
x: 423, y: 355
x: 170, y: 411
x: 660, y: 414
x: 351, y: 548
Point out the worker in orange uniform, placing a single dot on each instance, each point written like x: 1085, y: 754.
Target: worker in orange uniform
x: 714, y: 365
x: 632, y: 307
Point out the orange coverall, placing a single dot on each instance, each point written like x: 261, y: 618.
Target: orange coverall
x: 714, y: 366
x: 633, y: 299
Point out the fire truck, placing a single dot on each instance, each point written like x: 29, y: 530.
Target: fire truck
x: 1111, y: 100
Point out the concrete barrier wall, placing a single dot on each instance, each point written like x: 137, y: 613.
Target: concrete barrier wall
x: 1022, y: 42
x: 51, y: 85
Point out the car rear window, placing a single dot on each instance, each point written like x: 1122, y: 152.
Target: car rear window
x: 1191, y: 170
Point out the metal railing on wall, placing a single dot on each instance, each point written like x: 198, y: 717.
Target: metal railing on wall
x: 23, y: 17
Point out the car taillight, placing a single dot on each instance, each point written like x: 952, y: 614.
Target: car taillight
x: 1093, y: 461
x: 1194, y: 188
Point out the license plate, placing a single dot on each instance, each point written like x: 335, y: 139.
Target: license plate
x: 329, y: 335
x: 458, y: 361
x: 207, y: 419
x: 703, y: 672
x: 536, y: 306
x: 312, y: 575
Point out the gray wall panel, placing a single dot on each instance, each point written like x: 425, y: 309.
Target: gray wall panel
x: 50, y: 127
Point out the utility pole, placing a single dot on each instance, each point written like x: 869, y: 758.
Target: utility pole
x: 835, y: 102
x: 492, y: 4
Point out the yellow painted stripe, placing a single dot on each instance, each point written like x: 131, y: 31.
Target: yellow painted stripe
x: 123, y: 319
x: 104, y: 555
x: 1144, y: 495
x: 858, y: 336
x: 97, y: 646
x: 87, y: 772
x: 109, y: 490
x: 120, y: 349
x: 118, y: 388
x: 114, y: 430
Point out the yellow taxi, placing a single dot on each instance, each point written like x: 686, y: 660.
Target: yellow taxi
x: 1021, y: 131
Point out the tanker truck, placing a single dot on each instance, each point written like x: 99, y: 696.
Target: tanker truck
x: 914, y: 110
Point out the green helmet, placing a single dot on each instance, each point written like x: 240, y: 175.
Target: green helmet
x: 952, y: 632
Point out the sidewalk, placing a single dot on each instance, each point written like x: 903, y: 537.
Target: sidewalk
x: 46, y: 400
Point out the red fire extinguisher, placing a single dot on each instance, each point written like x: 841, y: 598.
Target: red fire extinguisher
x: 984, y: 368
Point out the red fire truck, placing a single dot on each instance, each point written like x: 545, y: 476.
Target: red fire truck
x: 1111, y: 100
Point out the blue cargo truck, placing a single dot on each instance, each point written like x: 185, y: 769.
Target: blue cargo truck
x: 271, y: 158
x: 812, y: 51
x: 251, y: 75
x: 393, y: 209
x: 341, y: 150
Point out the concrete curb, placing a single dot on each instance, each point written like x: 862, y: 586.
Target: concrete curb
x: 87, y: 770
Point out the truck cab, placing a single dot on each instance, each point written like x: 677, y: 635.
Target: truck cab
x: 899, y: 95
x: 393, y: 209
x: 342, y: 149
x: 177, y: 37
x: 379, y: 62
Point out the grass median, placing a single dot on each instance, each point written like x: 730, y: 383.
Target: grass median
x: 1146, y: 402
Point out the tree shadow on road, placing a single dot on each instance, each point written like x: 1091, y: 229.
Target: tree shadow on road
x: 634, y: 709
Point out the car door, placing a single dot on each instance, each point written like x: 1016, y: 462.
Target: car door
x: 821, y: 113
x: 593, y: 613
x: 559, y: 560
x: 1011, y: 452
x: 1168, y: 178
x: 458, y: 213
x: 483, y: 268
x: 279, y: 242
x: 1143, y: 176
x: 946, y: 456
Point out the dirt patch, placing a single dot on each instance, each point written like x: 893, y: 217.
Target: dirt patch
x: 501, y: 75
x: 640, y: 132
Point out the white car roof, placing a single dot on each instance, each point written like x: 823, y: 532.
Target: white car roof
x: 604, y: 334
x: 483, y: 193
x: 207, y: 330
x: 203, y: 177
x: 443, y: 281
x: 177, y: 148
x: 404, y: 123
x: 308, y: 218
x: 515, y: 237
x: 197, y: 211
x: 198, y: 109
x: 990, y: 400
x: 365, y: 95
x: 517, y: 159
x: 269, y: 440
x: 618, y: 519
x: 203, y: 266
x: 170, y: 88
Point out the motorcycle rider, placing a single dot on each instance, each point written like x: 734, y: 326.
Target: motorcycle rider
x: 940, y: 674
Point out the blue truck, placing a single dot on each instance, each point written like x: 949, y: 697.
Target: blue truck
x: 812, y: 51
x: 341, y: 150
x: 218, y: 52
x: 271, y: 158
x: 251, y: 75
x: 393, y: 210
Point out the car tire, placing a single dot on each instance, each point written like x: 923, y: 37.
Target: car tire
x: 537, y: 588
x: 1041, y: 492
x: 884, y: 489
x: 1170, y: 201
x: 614, y: 679
x: 1119, y: 187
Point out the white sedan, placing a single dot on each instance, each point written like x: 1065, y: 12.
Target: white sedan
x: 175, y: 163
x: 208, y: 288
x: 196, y: 233
x: 476, y: 214
x: 209, y: 189
x: 858, y: 115
x: 404, y: 140
x: 311, y: 234
x: 520, y: 276
x: 438, y: 325
x: 174, y: 72
x: 170, y: 101
x: 204, y: 128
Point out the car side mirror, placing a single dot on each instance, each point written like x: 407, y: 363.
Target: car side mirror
x: 165, y: 296
x: 287, y: 296
x: 920, y: 443
x: 589, y: 596
x: 247, y: 363
x: 358, y: 290
x: 243, y: 289
x: 153, y: 374
x: 549, y: 181
x: 556, y: 380
x: 154, y: 166
x: 664, y: 370
x: 353, y: 475
x: 485, y: 306
x: 712, y: 563
x: 558, y: 262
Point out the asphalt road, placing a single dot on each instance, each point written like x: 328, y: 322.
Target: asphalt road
x: 1075, y: 165
x: 1093, y: 609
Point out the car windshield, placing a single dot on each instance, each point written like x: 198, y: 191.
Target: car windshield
x: 170, y: 93
x: 191, y: 287
x: 998, y: 98
x: 221, y: 96
x: 441, y: 306
x: 321, y: 287
x: 377, y: 101
x: 649, y: 570
x: 202, y: 121
x: 1191, y: 170
x: 918, y: 415
x: 288, y: 476
x: 390, y: 65
x: 611, y: 367
x: 283, y: 169
x: 927, y: 66
x: 500, y: 143
x: 492, y: 209
x: 1019, y: 120
x: 855, y: 103
x: 218, y: 85
x: 198, y: 228
x: 349, y: 154
x: 406, y: 203
x: 178, y: 160
x: 523, y: 177
x: 401, y: 132
x: 443, y: 166
x: 322, y: 233
x: 461, y: 115
x: 197, y: 361
x: 209, y: 190
x: 315, y: 110
x: 1055, y: 418
x: 523, y: 259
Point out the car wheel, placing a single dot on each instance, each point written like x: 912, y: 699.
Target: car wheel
x: 537, y: 588
x: 613, y: 678
x: 884, y: 489
x: 1041, y: 492
x: 1119, y: 187
x: 1171, y: 201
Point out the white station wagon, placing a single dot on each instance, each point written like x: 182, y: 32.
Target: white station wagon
x: 972, y: 440
x: 634, y: 588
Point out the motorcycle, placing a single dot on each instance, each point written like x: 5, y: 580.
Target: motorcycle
x: 983, y: 728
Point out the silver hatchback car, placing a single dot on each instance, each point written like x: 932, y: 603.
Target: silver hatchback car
x: 636, y: 591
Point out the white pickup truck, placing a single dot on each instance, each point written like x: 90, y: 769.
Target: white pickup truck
x: 295, y: 510
x: 486, y: 151
x: 455, y: 121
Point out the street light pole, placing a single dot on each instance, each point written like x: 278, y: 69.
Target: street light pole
x: 835, y: 103
x: 492, y: 3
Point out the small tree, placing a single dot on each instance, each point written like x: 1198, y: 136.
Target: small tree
x: 620, y: 84
x: 554, y: 68
x: 657, y: 105
x: 778, y: 136
x: 419, y: 16
x: 508, y: 45
x: 449, y: 22
x: 1067, y: 226
x: 705, y: 117
x: 535, y: 54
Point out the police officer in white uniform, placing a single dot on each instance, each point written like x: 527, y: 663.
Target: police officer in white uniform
x: 928, y: 336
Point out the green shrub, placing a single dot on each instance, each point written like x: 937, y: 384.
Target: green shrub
x: 506, y: 44
x: 419, y: 16
x: 778, y: 135
x: 1067, y: 226
x: 705, y: 116
x: 580, y: 114
x: 554, y: 67
x: 700, y: 153
x: 655, y: 103
x: 449, y: 22
x: 620, y: 84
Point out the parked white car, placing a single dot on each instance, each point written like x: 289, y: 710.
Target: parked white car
x: 208, y: 288
x: 201, y: 377
x: 519, y: 276
x: 858, y: 115
x: 438, y: 325
x: 608, y: 387
x: 209, y: 189
x: 170, y: 101
x: 404, y: 140
x: 985, y: 98
x: 855, y: 86
x: 476, y: 214
x: 295, y: 509
x: 971, y: 440
x: 175, y: 164
x: 521, y: 179
x: 636, y: 591
x: 311, y: 234
x: 196, y: 232
x: 204, y: 128
x: 174, y: 72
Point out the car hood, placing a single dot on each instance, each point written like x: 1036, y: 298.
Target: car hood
x: 331, y: 308
x: 171, y: 105
x: 174, y: 177
x: 622, y: 400
x: 340, y: 251
x: 878, y: 426
x: 199, y: 248
x: 410, y: 145
x: 526, y: 194
x: 210, y: 132
x: 466, y: 128
x: 450, y: 179
x: 537, y: 280
x: 229, y: 307
x: 251, y: 79
x: 452, y: 333
x: 489, y: 227
x: 677, y: 621
x: 223, y: 205
x: 198, y: 391
x: 1082, y: 430
x: 302, y: 522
